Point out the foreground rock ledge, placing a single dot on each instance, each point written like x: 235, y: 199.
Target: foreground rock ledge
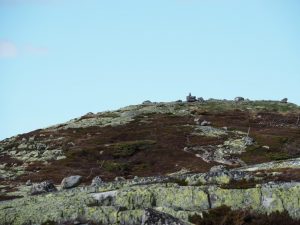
x: 131, y: 205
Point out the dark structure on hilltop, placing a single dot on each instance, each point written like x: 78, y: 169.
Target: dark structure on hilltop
x: 191, y: 98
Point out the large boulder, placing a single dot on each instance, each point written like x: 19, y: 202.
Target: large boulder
x: 70, y: 182
x: 43, y: 187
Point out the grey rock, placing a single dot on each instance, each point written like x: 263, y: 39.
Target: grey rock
x: 119, y: 179
x: 154, y: 217
x: 205, y: 123
x: 70, y: 182
x: 239, y: 99
x: 97, y: 181
x: 146, y: 102
x: 218, y: 168
x: 41, y: 146
x: 28, y: 183
x: 284, y: 100
x: 43, y: 187
x: 201, y: 99
x: 31, y: 139
x: 248, y: 141
x: 22, y: 146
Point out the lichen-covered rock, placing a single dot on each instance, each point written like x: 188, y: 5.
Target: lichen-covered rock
x: 235, y: 198
x: 70, y: 182
x: 43, y: 187
x: 126, y: 205
x: 281, y: 197
x: 97, y: 181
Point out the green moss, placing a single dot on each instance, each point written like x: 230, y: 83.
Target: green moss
x: 278, y: 155
x: 126, y: 149
x: 112, y: 166
x: 180, y: 182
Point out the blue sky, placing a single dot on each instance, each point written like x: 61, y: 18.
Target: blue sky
x: 60, y: 59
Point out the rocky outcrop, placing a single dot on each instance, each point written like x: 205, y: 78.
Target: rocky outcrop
x: 155, y: 200
x: 139, y: 204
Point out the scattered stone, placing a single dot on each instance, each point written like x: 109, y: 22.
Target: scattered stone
x: 205, y: 123
x: 105, y: 198
x: 43, y: 187
x: 248, y: 141
x: 31, y: 139
x: 217, y: 168
x: 22, y: 146
x: 210, y: 131
x: 41, y: 146
x: 191, y: 98
x: 120, y: 179
x: 97, y: 181
x: 28, y: 183
x: 239, y: 99
x: 146, y: 102
x: 70, y: 182
x: 201, y: 100
x: 89, y: 114
x: 284, y: 100
x: 153, y: 217
x: 266, y: 147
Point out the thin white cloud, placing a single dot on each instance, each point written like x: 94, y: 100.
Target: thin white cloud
x: 35, y: 50
x: 8, y: 49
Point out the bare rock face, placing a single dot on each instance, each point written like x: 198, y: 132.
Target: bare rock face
x: 70, y: 182
x: 153, y: 217
x: 43, y: 187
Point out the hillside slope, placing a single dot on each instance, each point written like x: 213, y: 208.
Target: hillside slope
x: 216, y: 142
